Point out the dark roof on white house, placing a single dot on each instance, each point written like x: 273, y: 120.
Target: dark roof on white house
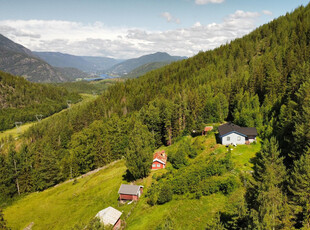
x: 129, y: 189
x: 230, y: 128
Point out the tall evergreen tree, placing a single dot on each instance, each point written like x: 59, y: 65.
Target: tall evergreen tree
x: 268, y: 199
x: 299, y: 186
x: 140, y: 151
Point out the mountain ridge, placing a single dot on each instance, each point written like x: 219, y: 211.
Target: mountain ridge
x: 18, y: 60
x: 84, y: 63
x: 127, y: 66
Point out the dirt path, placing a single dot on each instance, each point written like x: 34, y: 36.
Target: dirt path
x: 89, y: 173
x: 29, y: 227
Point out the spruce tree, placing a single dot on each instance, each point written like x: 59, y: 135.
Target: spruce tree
x: 269, y: 200
x: 140, y: 151
x: 299, y: 186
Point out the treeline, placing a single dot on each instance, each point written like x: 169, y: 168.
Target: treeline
x: 89, y: 87
x: 262, y: 80
x: 21, y: 100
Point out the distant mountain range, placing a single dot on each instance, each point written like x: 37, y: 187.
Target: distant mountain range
x: 100, y: 65
x: 83, y: 63
x: 18, y: 60
x: 60, y: 67
x: 127, y: 66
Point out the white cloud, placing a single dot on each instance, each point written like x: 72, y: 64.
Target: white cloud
x: 197, y: 24
x: 170, y: 18
x: 204, y: 2
x: 267, y: 12
x: 99, y: 40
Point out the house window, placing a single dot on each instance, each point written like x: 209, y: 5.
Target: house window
x: 228, y: 138
x: 238, y: 138
x: 158, y: 165
x: 154, y: 165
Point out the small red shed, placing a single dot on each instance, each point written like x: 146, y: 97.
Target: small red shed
x: 207, y: 129
x: 159, y: 160
x: 130, y: 192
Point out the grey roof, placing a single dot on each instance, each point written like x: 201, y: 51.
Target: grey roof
x: 230, y: 127
x: 129, y: 189
x: 109, y: 215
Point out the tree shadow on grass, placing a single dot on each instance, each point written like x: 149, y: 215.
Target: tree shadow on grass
x: 128, y: 176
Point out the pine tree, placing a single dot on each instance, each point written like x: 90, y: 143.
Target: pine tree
x: 14, y: 165
x: 302, y: 125
x: 268, y: 196
x: 140, y: 151
x: 299, y: 186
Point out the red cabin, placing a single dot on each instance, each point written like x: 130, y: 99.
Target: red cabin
x: 130, y: 192
x: 159, y: 160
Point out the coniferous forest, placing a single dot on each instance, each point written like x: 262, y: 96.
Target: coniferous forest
x: 261, y: 80
x: 21, y: 100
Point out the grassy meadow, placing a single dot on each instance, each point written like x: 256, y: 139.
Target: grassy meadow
x: 68, y: 204
x: 75, y: 203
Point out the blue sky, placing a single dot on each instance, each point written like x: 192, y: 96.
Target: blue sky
x: 131, y: 28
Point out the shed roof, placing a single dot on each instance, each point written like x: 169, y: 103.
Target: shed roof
x: 109, y: 215
x: 230, y: 127
x: 161, y: 156
x: 129, y: 189
x: 158, y: 160
x: 208, y: 128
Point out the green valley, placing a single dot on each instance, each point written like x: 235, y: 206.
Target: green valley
x: 259, y: 83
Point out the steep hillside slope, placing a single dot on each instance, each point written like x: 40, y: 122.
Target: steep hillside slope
x: 7, y: 44
x: 85, y: 196
x: 21, y: 100
x: 129, y: 65
x: 72, y: 74
x: 261, y: 80
x: 82, y: 198
x: 141, y: 70
x: 18, y: 60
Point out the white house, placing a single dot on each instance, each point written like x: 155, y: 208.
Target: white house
x: 233, y: 134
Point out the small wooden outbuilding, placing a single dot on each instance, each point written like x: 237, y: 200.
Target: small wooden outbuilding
x: 130, y: 192
x: 110, y: 216
x: 207, y: 129
x: 159, y: 160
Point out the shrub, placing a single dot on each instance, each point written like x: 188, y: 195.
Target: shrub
x: 165, y: 194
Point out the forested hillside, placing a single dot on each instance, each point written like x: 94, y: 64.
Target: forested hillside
x: 21, y: 100
x: 129, y: 65
x: 261, y: 80
x: 141, y: 70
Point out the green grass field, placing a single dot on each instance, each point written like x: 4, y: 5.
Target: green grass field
x: 15, y: 132
x: 68, y: 204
